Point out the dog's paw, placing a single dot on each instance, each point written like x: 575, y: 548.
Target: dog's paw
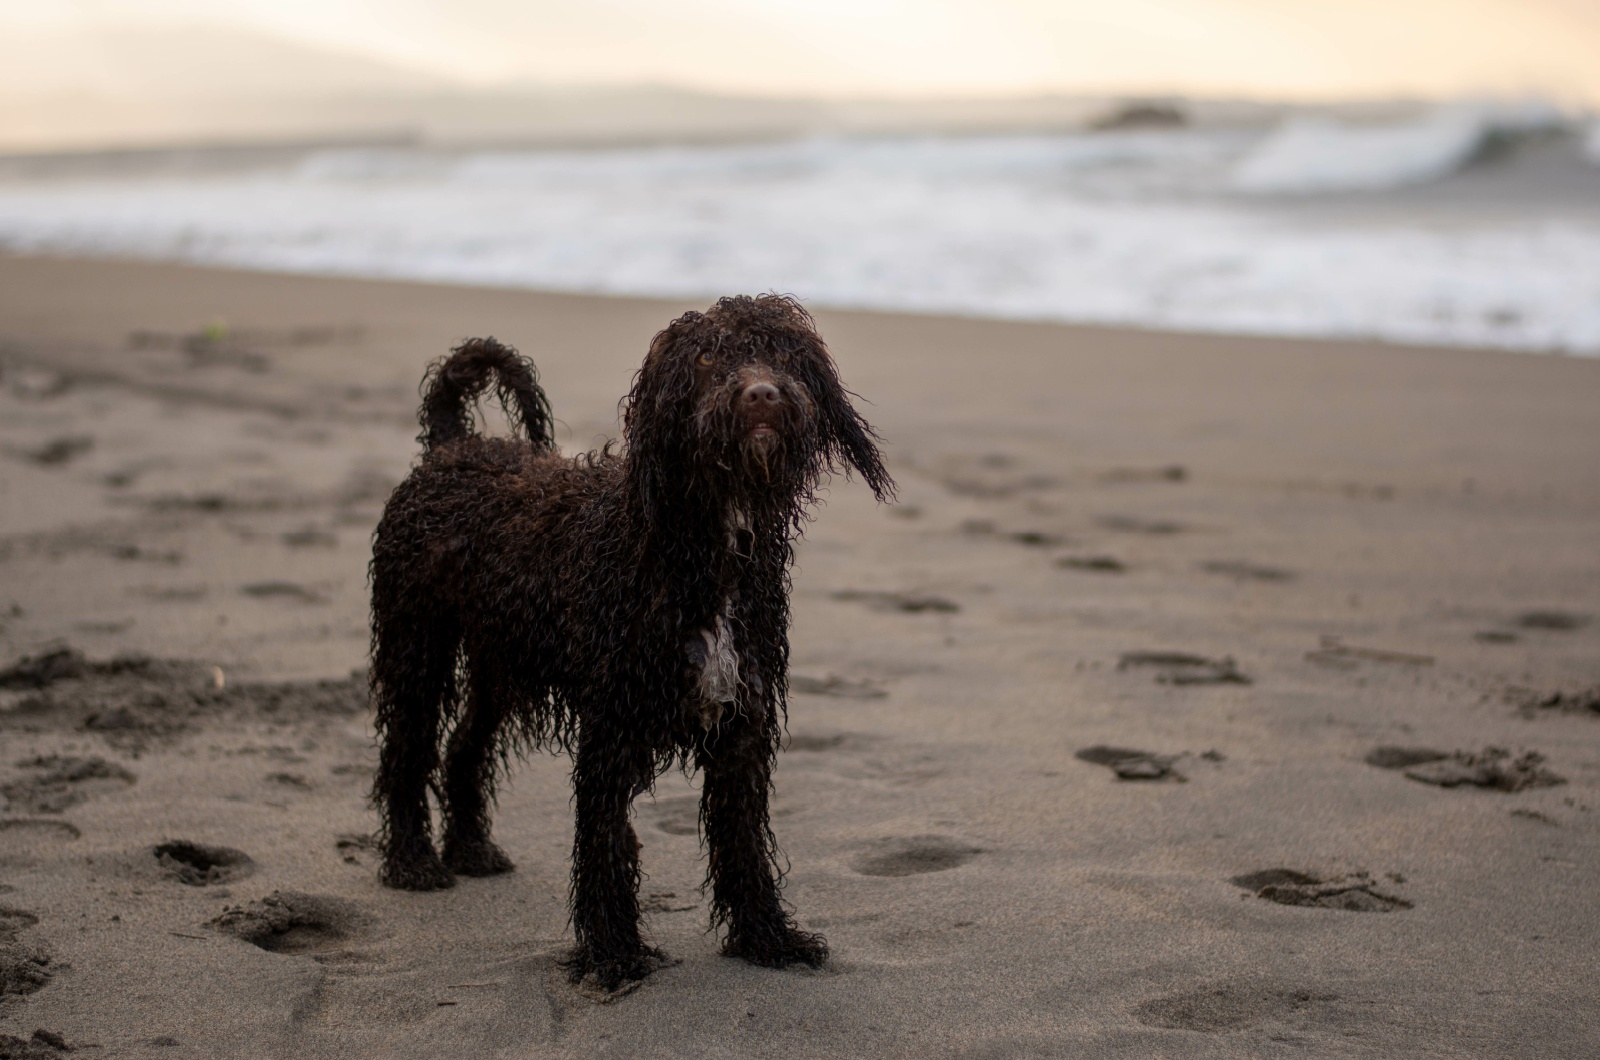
x: 614, y: 974
x: 476, y: 858
x: 416, y: 871
x: 782, y: 948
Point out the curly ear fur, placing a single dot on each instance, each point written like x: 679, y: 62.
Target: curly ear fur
x: 826, y: 434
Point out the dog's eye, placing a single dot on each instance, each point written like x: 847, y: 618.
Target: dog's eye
x: 705, y: 359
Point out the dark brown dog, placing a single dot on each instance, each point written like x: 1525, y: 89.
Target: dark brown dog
x: 630, y: 608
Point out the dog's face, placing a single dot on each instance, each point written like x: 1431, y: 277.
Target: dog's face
x: 744, y: 398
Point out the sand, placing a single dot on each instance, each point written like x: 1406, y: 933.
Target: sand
x: 1182, y: 707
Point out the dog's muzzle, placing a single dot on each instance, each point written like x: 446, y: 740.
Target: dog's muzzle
x: 760, y: 406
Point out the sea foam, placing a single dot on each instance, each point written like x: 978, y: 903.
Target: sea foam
x: 1140, y: 229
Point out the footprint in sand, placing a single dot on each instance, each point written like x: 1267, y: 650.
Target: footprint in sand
x: 915, y: 855
x: 27, y: 383
x: 352, y: 845
x: 57, y: 782
x: 291, y: 922
x: 817, y: 742
x: 678, y: 816
x: 911, y: 603
x: 1230, y: 1007
x: 1133, y: 524
x: 24, y: 968
x: 58, y: 451
x: 282, y: 590
x: 310, y: 537
x: 665, y: 902
x: 200, y: 865
x: 834, y: 685
x: 994, y: 476
x: 1493, y: 767
x: 14, y: 920
x: 1243, y: 570
x: 1181, y: 668
x: 40, y: 826
x: 1354, y: 892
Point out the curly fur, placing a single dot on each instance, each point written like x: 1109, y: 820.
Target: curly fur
x: 630, y: 608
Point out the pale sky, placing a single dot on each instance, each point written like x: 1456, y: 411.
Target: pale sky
x: 1264, y: 48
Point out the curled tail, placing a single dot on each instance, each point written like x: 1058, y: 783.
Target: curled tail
x: 453, y: 383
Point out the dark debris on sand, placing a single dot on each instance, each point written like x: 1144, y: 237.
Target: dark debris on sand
x: 1094, y: 564
x: 1354, y: 892
x: 1181, y: 668
x: 132, y: 699
x: 43, y: 1045
x: 1494, y: 768
x: 35, y: 672
x: 1557, y: 621
x: 1129, y: 764
x: 1584, y: 701
x: 1132, y: 524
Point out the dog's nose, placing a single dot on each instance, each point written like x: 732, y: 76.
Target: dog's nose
x: 758, y: 395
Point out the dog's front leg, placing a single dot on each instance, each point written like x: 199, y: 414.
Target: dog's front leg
x: 746, y: 899
x: 605, y: 864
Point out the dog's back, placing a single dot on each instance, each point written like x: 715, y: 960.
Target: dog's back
x: 479, y: 518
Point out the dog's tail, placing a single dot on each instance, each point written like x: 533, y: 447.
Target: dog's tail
x: 453, y: 383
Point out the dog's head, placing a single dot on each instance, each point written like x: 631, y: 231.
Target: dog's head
x: 743, y: 400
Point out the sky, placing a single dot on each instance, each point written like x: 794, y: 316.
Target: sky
x: 1280, y: 49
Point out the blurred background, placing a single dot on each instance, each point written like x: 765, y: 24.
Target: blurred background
x: 1409, y: 170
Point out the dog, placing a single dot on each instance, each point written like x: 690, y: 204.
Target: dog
x: 629, y: 607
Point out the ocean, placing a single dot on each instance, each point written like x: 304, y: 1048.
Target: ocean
x: 1464, y: 224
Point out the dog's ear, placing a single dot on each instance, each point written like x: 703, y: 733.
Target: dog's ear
x: 844, y: 435
x: 657, y: 414
x: 654, y: 412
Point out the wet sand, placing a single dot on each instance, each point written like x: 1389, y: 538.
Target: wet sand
x: 1203, y: 696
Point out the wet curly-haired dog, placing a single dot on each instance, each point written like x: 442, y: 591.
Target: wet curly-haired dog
x: 630, y: 608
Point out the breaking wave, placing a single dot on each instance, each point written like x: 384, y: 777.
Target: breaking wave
x: 1160, y: 228
x: 1310, y: 155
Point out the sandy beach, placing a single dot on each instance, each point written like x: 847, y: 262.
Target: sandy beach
x: 1202, y: 696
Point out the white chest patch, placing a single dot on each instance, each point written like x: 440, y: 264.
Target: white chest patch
x: 719, y: 683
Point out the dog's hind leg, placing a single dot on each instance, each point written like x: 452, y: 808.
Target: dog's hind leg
x: 745, y: 894
x: 413, y: 669
x: 469, y: 774
x: 605, y: 861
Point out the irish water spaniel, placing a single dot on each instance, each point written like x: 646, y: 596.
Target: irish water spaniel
x: 629, y: 607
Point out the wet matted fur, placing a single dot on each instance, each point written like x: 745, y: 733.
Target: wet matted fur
x: 629, y: 607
